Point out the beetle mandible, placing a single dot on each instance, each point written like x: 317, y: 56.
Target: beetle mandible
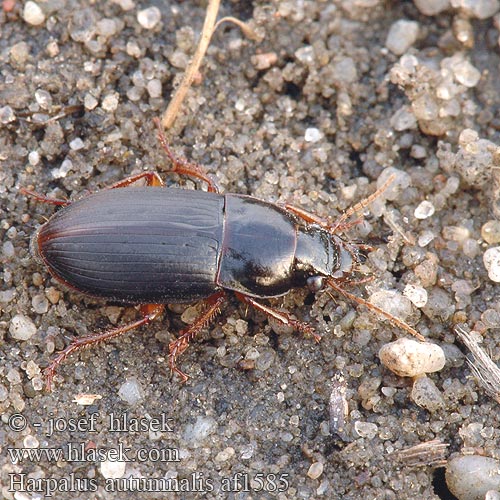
x: 153, y: 245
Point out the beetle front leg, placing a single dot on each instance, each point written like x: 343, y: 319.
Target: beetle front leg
x: 149, y: 312
x: 282, y: 317
x: 181, y: 343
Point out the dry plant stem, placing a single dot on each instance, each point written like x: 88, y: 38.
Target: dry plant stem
x: 249, y: 33
x: 208, y: 28
x: 485, y: 369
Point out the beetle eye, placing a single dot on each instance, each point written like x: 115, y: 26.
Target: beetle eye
x: 315, y: 283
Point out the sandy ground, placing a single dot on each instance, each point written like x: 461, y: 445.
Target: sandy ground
x: 308, y: 115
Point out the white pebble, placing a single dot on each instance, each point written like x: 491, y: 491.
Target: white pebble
x: 33, y: 14
x: 113, y: 469
x: 402, y: 35
x: 149, y: 18
x: 365, y: 429
x: 21, y: 327
x: 315, y: 470
x: 131, y: 391
x: 491, y: 259
x: 424, y: 210
x: 417, y: 295
x: 409, y: 358
x: 313, y: 135
x: 431, y: 7
x: 110, y: 102
x: 196, y: 433
x: 470, y: 477
x: 76, y: 144
x: 466, y: 74
x: 34, y: 158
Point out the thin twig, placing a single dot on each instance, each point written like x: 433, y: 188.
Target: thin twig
x: 208, y: 28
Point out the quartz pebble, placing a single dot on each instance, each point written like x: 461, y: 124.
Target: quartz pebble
x: 416, y: 294
x: 425, y: 394
x: 470, y: 477
x: 402, y: 35
x: 410, y: 358
x: 113, y: 469
x: 482, y: 9
x: 490, y: 232
x: 431, y: 7
x: 131, y: 391
x: 315, y: 470
x: 491, y: 259
x: 21, y: 327
x: 424, y: 210
x: 33, y: 14
x: 149, y: 18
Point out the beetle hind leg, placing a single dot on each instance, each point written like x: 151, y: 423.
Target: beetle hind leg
x: 183, y: 166
x: 149, y: 312
x: 181, y: 343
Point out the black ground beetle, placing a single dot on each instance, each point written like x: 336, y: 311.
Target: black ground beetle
x: 155, y: 245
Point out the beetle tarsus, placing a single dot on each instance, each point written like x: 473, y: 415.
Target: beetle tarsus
x: 149, y: 312
x: 181, y: 343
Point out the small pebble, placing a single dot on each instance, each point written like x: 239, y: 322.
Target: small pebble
x: 491, y: 259
x: 482, y: 9
x: 21, y: 327
x: 402, y: 35
x: 76, y: 144
x: 470, y: 477
x: 424, y: 210
x: 149, y: 18
x: 33, y: 14
x: 7, y: 115
x: 313, y: 135
x: 431, y: 7
x: 131, y: 391
x: 40, y: 303
x: 366, y: 429
x: 110, y: 102
x: 315, y: 470
x: 417, y: 295
x: 195, y: 434
x: 410, y: 358
x: 490, y: 232
x: 426, y: 395
x: 466, y: 73
x: 113, y: 469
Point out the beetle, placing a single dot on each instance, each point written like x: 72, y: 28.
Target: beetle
x: 154, y: 245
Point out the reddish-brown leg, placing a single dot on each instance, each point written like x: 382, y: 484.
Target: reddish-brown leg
x: 152, y: 179
x: 181, y: 165
x: 282, y: 317
x: 44, y: 199
x: 179, y: 345
x: 149, y: 312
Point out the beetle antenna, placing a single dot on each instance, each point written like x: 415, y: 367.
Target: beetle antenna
x: 395, y: 321
x: 340, y: 225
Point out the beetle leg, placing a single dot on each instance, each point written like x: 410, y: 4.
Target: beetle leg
x: 181, y: 343
x: 280, y: 316
x: 44, y: 199
x: 181, y: 165
x: 149, y: 312
x: 152, y: 179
